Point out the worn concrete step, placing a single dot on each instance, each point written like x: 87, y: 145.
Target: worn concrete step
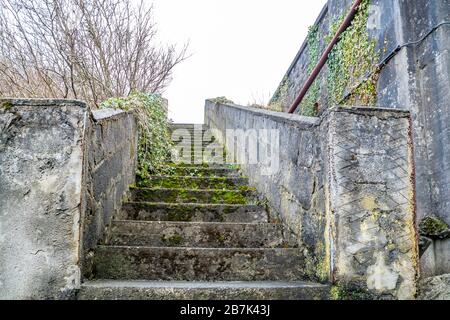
x: 198, y: 264
x: 195, y: 139
x: 226, y: 183
x: 199, y: 171
x: 196, y: 144
x: 188, y: 126
x: 191, y: 212
x: 209, y: 147
x: 188, y: 138
x: 176, y: 133
x: 177, y: 290
x: 231, y: 166
x: 202, y: 155
x: 182, y: 130
x: 194, y: 159
x: 199, y: 234
x: 193, y: 196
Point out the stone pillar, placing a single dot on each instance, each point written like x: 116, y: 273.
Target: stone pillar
x: 371, y: 203
x: 41, y: 167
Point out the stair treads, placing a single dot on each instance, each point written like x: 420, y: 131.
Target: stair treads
x: 190, y: 212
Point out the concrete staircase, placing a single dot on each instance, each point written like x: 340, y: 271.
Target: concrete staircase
x: 198, y: 232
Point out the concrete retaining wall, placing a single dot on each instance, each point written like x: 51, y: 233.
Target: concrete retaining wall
x: 58, y: 163
x: 344, y: 188
x: 111, y: 164
x: 416, y: 79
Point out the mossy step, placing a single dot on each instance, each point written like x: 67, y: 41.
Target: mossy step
x: 198, y: 264
x: 197, y: 142
x: 185, y: 212
x: 192, y: 160
x: 210, y: 148
x: 194, y: 171
x: 195, y: 290
x: 231, y: 166
x: 193, y: 196
x: 198, y: 153
x: 183, y: 182
x: 204, y: 161
x: 199, y: 234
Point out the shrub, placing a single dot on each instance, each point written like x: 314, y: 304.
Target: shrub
x: 154, y: 140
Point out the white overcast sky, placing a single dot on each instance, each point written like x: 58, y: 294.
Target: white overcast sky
x: 240, y: 49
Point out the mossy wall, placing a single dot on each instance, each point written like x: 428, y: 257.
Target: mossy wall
x: 416, y: 79
x: 350, y: 76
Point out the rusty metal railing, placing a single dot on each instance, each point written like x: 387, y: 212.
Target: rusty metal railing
x: 323, y: 60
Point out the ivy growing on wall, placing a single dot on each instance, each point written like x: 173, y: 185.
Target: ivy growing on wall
x: 154, y: 144
x: 352, y: 74
x: 280, y: 97
x: 308, y: 105
x: 352, y: 65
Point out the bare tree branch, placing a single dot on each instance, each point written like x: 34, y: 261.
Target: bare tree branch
x: 82, y: 49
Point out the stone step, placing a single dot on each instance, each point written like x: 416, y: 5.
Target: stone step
x: 189, y: 126
x: 176, y: 290
x: 183, y: 131
x: 180, y: 182
x: 193, y: 196
x: 200, y: 171
x: 202, y: 155
x: 196, y: 142
x: 192, y: 160
x: 185, y: 212
x: 198, y: 264
x: 209, y: 147
x: 231, y: 166
x: 193, y: 137
x: 199, y: 234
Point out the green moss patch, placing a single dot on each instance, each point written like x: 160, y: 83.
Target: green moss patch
x: 7, y: 105
x: 433, y: 227
x: 193, y: 183
x: 172, y: 241
x: 192, y: 196
x: 350, y: 292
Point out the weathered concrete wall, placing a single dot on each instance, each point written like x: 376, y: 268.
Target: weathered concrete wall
x: 296, y: 191
x: 111, y: 165
x: 50, y: 179
x: 416, y: 79
x: 344, y: 188
x: 371, y: 198
x: 435, y: 288
x: 41, y: 157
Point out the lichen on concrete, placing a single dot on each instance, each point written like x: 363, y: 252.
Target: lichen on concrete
x: 433, y: 227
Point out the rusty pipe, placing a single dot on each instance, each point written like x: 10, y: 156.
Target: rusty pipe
x: 323, y: 59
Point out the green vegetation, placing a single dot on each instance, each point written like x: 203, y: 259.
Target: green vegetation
x: 221, y: 238
x: 7, y: 105
x: 434, y: 227
x: 182, y: 195
x: 350, y: 292
x: 353, y: 74
x: 352, y: 66
x: 308, y: 105
x: 173, y: 241
x: 154, y: 139
x: 191, y: 183
x: 230, y: 197
x: 280, y: 97
x: 222, y: 100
